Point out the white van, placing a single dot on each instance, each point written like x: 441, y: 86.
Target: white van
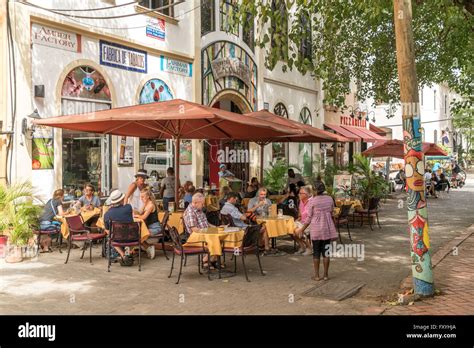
x: 156, y: 164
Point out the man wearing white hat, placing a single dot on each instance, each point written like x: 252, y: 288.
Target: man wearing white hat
x: 133, y: 193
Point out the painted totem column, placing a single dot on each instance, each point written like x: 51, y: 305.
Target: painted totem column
x: 416, y: 204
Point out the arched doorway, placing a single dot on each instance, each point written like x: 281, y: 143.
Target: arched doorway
x: 85, y: 156
x: 238, y: 165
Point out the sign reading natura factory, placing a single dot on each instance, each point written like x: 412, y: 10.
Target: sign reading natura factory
x: 231, y: 67
x: 122, y: 57
x: 46, y: 36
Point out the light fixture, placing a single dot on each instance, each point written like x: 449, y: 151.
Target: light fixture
x: 367, y: 116
x: 29, y: 130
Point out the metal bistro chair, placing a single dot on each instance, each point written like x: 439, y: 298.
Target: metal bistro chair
x: 343, y: 219
x: 249, y: 245
x: 162, y: 234
x: 124, y: 234
x: 54, y: 230
x: 370, y: 212
x: 78, y: 232
x: 183, y: 251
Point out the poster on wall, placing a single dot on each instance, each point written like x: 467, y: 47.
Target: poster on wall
x: 186, y: 152
x: 155, y: 28
x: 42, y: 148
x: 125, y: 148
x: 342, y: 184
x: 155, y: 90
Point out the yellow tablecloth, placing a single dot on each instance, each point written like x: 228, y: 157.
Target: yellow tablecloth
x: 174, y: 220
x: 277, y: 227
x: 144, y: 232
x: 86, y: 216
x: 356, y: 204
x: 213, y: 240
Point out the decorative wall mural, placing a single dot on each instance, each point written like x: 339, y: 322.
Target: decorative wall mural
x: 155, y: 90
x: 86, y: 83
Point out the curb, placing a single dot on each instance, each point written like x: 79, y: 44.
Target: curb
x: 442, y: 253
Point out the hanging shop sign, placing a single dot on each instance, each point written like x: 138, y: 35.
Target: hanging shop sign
x: 175, y: 66
x: 349, y: 121
x: 42, y: 148
x: 125, y: 155
x: 226, y: 66
x: 51, y: 37
x: 155, y: 28
x: 122, y: 57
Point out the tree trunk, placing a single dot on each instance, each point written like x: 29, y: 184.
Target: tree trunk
x: 414, y: 169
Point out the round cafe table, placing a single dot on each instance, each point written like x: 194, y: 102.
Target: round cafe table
x: 278, y: 226
x: 213, y: 238
x: 86, y: 216
x: 175, y: 220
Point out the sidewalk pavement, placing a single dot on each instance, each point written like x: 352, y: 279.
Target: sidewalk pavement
x: 454, y: 277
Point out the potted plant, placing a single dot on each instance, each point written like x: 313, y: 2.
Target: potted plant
x: 276, y: 176
x: 18, y: 217
x: 370, y: 184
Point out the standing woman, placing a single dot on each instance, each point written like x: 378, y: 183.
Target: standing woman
x: 322, y: 228
x: 132, y: 196
x: 150, y: 218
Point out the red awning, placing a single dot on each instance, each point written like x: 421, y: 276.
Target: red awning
x: 338, y: 129
x: 367, y: 135
x: 377, y: 130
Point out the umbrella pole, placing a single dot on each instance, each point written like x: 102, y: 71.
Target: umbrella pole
x: 176, y: 170
x: 261, y: 163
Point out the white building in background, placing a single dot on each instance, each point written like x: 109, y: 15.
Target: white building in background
x: 436, y: 118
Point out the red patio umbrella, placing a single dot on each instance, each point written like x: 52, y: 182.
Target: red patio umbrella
x: 394, y: 148
x: 175, y: 119
x: 310, y: 134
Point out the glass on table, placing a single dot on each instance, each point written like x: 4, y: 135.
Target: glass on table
x: 280, y: 213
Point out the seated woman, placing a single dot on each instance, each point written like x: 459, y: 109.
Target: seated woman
x: 434, y: 182
x: 88, y: 200
x: 53, y: 208
x: 150, y: 217
x: 290, y: 200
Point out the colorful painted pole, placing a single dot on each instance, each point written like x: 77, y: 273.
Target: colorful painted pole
x: 414, y: 168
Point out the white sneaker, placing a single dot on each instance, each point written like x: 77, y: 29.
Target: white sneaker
x: 307, y: 252
x: 299, y: 252
x: 150, y: 251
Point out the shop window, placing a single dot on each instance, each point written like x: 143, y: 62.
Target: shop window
x: 152, y: 4
x: 305, y: 45
x: 155, y: 155
x: 227, y: 8
x: 280, y: 39
x: 305, y: 153
x: 280, y: 150
x: 434, y: 100
x: 85, y: 156
x: 248, y: 32
x: 208, y: 9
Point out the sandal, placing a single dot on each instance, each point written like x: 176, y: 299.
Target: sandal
x: 317, y: 279
x: 205, y: 265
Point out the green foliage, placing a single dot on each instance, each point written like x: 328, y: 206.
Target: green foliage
x: 18, y: 214
x: 370, y: 184
x: 355, y: 41
x: 276, y: 177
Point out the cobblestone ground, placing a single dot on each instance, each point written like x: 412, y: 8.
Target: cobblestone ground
x: 48, y: 286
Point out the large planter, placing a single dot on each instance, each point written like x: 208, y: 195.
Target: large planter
x: 15, y: 254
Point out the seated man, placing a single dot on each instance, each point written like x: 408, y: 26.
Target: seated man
x: 259, y: 206
x: 442, y: 180
x: 427, y: 178
x: 229, y: 208
x: 89, y: 201
x: 260, y: 203
x: 118, y: 212
x: 195, y: 220
x: 433, y: 183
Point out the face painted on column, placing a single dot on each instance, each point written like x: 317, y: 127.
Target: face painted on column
x: 414, y: 170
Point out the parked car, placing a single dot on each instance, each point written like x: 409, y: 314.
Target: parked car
x: 156, y: 164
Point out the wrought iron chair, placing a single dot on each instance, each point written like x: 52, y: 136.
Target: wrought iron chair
x: 184, y: 251
x: 249, y: 245
x: 124, y: 234
x: 78, y: 232
x: 343, y: 219
x: 370, y: 212
x: 162, y: 234
x: 49, y: 232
